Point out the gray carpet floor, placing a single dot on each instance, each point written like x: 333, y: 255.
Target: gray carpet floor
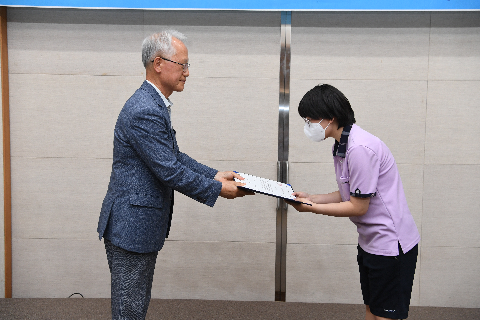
x: 79, y: 308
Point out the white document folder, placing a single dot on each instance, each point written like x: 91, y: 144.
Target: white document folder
x: 266, y: 186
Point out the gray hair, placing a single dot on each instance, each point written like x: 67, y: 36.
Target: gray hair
x: 160, y: 44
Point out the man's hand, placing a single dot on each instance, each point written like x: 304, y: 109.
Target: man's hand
x: 227, y: 176
x: 230, y: 188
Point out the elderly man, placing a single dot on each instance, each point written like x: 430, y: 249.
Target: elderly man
x: 147, y: 167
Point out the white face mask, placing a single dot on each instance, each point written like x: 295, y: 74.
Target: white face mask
x: 314, y: 131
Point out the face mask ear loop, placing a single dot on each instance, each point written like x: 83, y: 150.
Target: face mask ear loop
x: 328, y: 124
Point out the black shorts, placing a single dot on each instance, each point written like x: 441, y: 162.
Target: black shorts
x: 387, y: 282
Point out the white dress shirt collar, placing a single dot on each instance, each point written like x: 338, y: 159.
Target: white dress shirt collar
x: 167, y: 101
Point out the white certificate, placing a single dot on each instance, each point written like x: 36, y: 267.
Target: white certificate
x: 266, y: 186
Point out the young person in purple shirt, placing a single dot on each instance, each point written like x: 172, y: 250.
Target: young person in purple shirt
x: 370, y: 193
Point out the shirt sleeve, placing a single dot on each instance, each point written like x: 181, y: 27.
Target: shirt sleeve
x: 364, y: 169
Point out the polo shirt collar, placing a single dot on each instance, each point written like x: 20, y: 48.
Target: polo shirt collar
x: 340, y: 148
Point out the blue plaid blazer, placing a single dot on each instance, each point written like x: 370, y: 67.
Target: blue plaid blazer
x: 147, y: 167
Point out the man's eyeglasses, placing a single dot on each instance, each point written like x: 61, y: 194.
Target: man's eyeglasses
x: 184, y: 65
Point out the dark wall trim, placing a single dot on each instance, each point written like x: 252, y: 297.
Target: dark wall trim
x: 7, y: 183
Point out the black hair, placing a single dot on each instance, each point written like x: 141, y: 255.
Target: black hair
x: 327, y: 102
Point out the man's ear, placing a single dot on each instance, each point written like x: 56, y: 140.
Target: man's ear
x: 157, y: 64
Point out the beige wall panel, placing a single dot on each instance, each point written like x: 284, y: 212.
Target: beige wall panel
x: 450, y: 214
x: 66, y: 41
x: 248, y: 67
x: 455, y: 46
x: 58, y: 197
x: 322, y: 274
x: 310, y: 228
x: 415, y: 297
x: 391, y: 110
x: 450, y: 137
x: 413, y: 182
x: 66, y: 116
x: 251, y: 218
x: 215, y: 270
x: 227, y: 119
x: 360, y: 45
x: 312, y: 177
x: 313, y: 228
x: 226, y: 43
x: 450, y: 277
x: 56, y: 268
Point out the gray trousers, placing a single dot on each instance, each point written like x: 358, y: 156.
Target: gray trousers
x: 132, y: 276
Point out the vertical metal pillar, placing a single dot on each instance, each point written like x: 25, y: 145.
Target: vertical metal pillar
x: 282, y: 163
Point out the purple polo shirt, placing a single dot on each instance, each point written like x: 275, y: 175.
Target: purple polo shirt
x: 365, y: 167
